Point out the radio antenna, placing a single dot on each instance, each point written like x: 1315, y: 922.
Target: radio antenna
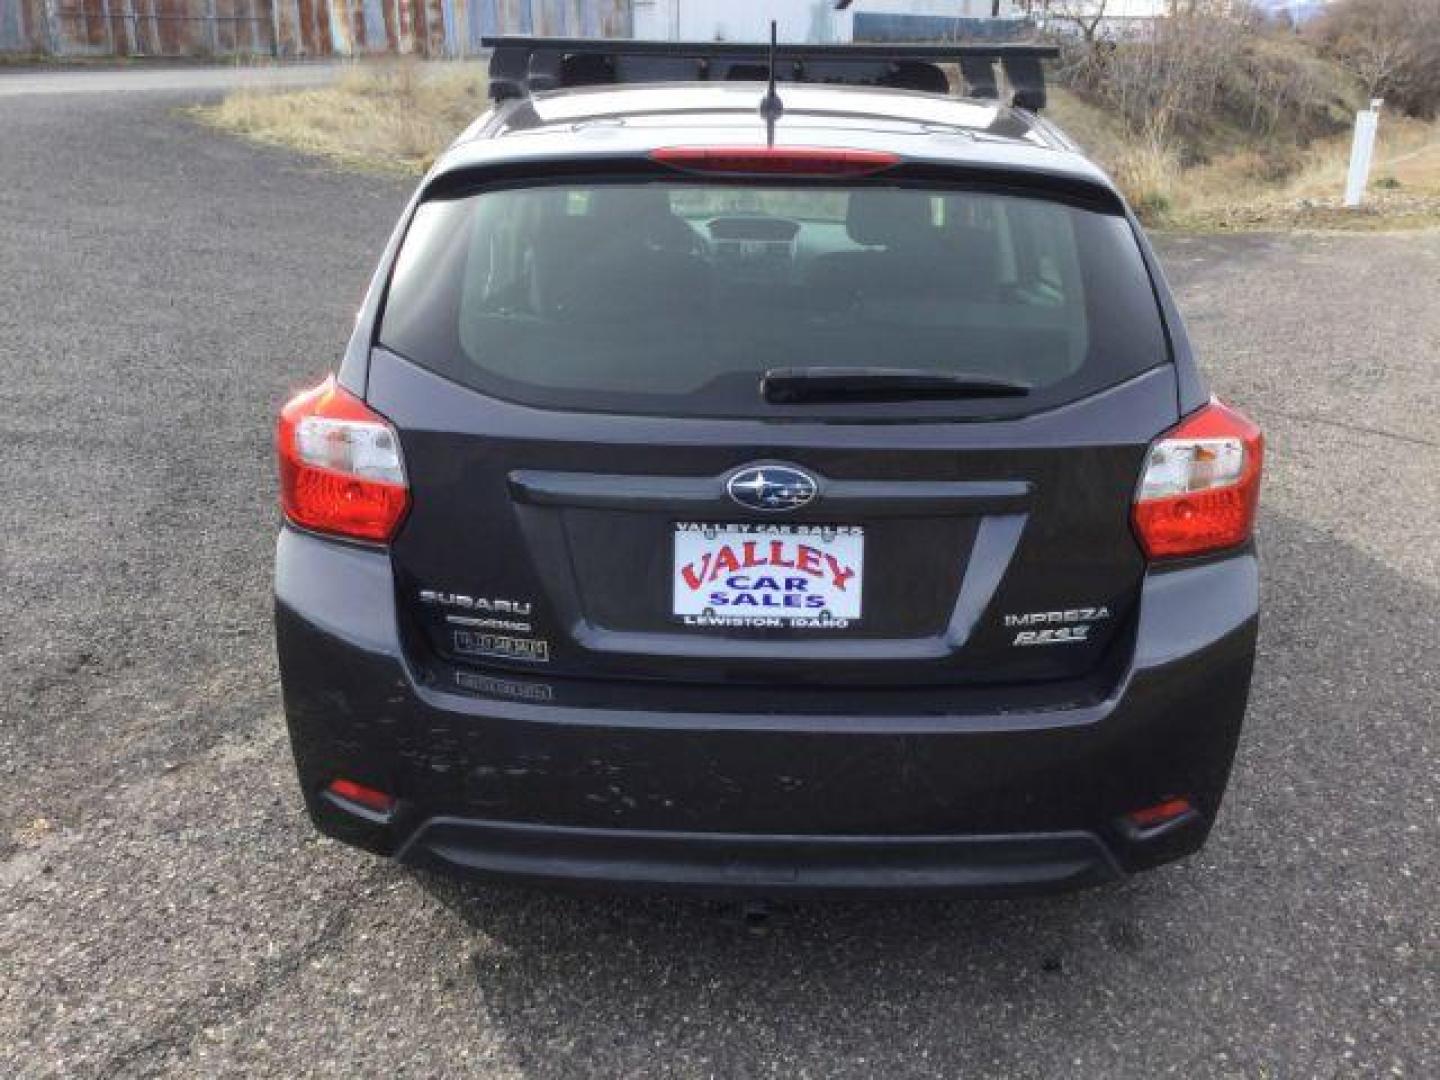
x: 771, y: 107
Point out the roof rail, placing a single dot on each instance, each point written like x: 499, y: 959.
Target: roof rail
x: 521, y: 66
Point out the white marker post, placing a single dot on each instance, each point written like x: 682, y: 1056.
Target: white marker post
x: 1362, y: 150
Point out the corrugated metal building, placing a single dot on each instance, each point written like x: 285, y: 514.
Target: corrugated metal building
x: 815, y: 20
x: 293, y: 28
x: 310, y: 28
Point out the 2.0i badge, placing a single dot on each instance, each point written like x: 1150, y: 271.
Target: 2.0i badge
x: 477, y: 643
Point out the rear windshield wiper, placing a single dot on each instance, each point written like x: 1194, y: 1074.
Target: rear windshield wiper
x: 784, y: 386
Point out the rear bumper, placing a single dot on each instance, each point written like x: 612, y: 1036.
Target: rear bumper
x: 513, y: 778
x: 744, y: 865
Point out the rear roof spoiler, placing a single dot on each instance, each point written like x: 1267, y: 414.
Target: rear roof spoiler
x: 521, y: 66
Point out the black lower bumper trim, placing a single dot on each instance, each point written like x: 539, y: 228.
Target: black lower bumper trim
x: 754, y: 864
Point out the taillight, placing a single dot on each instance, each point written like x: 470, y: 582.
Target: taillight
x: 803, y: 161
x: 340, y: 465
x: 1201, y: 485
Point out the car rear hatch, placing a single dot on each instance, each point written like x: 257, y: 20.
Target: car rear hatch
x: 866, y: 430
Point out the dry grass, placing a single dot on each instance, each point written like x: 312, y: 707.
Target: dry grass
x: 394, y: 116
x: 1303, y: 188
x: 1148, y: 172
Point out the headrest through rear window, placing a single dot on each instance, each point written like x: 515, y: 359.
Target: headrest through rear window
x: 888, y: 218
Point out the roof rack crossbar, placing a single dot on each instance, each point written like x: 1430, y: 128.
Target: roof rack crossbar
x: 521, y: 66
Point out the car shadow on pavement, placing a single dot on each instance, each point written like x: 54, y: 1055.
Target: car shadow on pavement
x: 574, y: 980
x: 1298, y: 896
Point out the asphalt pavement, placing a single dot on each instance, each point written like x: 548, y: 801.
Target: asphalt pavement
x: 148, y: 76
x: 165, y: 907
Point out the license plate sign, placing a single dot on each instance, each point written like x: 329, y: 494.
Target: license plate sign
x: 768, y: 575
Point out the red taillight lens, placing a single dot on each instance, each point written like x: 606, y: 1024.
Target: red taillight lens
x: 368, y: 797
x: 340, y: 465
x: 1201, y: 485
x: 817, y: 161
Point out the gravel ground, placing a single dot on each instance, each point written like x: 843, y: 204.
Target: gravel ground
x: 165, y: 907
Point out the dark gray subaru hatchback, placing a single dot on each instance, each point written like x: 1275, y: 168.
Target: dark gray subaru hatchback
x: 767, y: 489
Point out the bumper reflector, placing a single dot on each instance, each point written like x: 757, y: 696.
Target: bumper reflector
x: 368, y: 797
x: 1160, y: 814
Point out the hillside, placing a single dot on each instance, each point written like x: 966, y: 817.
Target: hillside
x: 1228, y: 126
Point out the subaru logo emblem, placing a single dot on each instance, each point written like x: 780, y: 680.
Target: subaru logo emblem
x: 772, y: 487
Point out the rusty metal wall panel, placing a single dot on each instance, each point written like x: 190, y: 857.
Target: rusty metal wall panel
x: 22, y: 27
x: 374, y: 33
x: 456, y: 36
x: 550, y: 18
x: 313, y: 19
x: 80, y: 26
x: 13, y: 37
x: 339, y: 27
x: 616, y: 19
x: 159, y: 27
x: 437, y: 30
x: 513, y: 16
x: 172, y: 35
x: 412, y: 25
x: 459, y: 25
x: 394, y: 31
x: 547, y: 18
x: 235, y: 26
x: 607, y: 18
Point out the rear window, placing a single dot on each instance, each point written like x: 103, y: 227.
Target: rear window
x: 675, y: 298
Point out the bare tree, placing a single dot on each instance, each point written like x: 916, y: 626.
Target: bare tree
x: 1391, y: 46
x: 1085, y: 15
x: 1369, y: 39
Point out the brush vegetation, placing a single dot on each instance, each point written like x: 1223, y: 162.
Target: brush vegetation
x: 1213, y: 120
x: 1255, y: 184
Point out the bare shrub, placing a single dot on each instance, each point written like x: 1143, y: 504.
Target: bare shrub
x: 1159, y: 81
x: 1280, y: 92
x: 1198, y: 75
x: 1206, y: 83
